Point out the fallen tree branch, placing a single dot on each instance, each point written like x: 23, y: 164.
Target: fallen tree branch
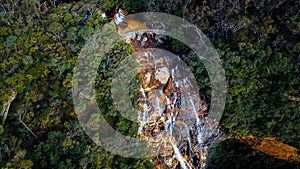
x: 21, y: 121
x: 28, y: 129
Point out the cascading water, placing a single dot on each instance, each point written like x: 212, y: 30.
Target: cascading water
x: 171, y: 116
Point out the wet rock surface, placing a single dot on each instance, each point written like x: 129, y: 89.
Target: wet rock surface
x: 171, y: 116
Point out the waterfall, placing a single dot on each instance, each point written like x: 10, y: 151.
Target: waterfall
x: 169, y: 106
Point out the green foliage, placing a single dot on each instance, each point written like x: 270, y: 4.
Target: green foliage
x: 10, y: 40
x: 39, y: 45
x: 130, y: 5
x: 255, y: 86
x: 55, y: 27
x: 38, y: 62
x: 231, y: 153
x: 178, y: 46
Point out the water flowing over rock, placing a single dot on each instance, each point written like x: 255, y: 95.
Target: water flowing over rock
x: 171, y: 116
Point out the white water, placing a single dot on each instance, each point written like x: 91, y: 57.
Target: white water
x: 179, y: 122
x: 180, y: 136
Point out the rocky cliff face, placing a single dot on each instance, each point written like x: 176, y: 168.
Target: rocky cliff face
x: 171, y: 116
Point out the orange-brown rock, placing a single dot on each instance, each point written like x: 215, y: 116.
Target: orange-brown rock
x: 273, y: 147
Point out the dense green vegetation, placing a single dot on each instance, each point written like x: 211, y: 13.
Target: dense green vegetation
x: 258, y: 42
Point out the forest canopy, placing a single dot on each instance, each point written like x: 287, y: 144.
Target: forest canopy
x: 258, y: 43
